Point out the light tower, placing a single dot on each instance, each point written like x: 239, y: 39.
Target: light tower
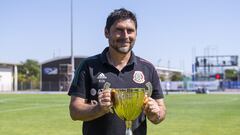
x: 72, y: 56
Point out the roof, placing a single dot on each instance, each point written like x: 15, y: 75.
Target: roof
x: 59, y: 58
x: 169, y: 69
x: 9, y: 63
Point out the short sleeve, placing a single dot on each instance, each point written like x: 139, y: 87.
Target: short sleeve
x: 80, y: 82
x: 157, y: 92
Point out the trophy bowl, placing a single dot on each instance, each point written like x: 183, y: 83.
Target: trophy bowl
x: 127, y: 104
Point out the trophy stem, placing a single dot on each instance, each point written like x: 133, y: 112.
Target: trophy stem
x: 128, y: 127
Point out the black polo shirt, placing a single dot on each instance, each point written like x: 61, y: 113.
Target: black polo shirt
x: 91, y: 76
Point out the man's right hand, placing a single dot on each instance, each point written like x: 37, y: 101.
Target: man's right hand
x: 104, y: 100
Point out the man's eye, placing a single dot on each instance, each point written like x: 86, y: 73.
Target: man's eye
x: 130, y: 30
x: 119, y: 30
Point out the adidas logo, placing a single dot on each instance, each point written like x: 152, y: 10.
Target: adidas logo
x: 101, y: 76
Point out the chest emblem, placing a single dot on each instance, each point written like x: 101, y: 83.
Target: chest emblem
x: 138, y: 77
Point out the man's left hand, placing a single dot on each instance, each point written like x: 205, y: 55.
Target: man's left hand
x: 154, y: 109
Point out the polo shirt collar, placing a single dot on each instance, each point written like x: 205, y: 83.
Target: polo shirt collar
x: 104, y: 59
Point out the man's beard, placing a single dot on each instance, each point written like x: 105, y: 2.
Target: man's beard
x: 122, y: 50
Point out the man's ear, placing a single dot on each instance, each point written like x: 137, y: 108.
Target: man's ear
x: 106, y: 33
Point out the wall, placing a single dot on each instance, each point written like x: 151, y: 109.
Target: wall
x: 6, y: 78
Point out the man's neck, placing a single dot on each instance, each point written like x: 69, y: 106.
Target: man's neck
x: 118, y: 60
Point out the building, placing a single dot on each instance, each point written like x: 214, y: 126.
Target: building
x: 210, y: 68
x: 56, y: 74
x: 167, y: 72
x: 8, y: 77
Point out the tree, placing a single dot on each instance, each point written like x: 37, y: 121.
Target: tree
x: 29, y: 72
x: 162, y: 78
x: 177, y: 77
x: 231, y: 74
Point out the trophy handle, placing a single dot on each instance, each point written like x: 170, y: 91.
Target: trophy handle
x: 107, y: 86
x: 149, y: 89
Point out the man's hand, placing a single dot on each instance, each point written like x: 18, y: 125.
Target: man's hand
x: 104, y: 100
x: 154, y: 109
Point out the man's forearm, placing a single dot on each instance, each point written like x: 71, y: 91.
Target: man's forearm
x: 90, y: 112
x: 81, y: 110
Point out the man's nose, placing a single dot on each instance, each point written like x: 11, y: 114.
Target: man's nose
x: 125, y: 34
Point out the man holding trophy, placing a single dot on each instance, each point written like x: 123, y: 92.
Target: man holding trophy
x: 114, y: 92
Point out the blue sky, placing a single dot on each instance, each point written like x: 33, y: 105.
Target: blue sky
x: 170, y: 31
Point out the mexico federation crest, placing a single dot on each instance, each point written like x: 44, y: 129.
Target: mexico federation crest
x: 138, y: 77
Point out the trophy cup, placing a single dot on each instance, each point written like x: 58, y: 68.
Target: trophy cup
x: 128, y: 102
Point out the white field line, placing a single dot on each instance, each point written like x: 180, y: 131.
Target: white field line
x: 31, y: 108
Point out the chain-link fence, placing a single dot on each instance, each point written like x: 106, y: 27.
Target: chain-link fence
x: 31, y: 85
x: 55, y: 86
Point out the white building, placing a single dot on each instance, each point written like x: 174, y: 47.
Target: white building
x: 8, y: 77
x: 167, y: 72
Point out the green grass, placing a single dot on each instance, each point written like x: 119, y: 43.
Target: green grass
x: 47, y: 114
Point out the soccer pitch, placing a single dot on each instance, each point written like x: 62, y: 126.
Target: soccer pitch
x: 47, y: 114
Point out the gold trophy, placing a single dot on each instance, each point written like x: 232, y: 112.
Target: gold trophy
x: 128, y: 103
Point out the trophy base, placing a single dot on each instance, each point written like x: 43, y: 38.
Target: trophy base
x: 128, y: 131
x: 128, y: 128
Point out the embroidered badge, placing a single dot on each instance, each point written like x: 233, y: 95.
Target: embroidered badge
x: 138, y: 77
x: 93, y: 92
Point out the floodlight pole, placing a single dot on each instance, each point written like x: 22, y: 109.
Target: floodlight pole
x: 72, y: 57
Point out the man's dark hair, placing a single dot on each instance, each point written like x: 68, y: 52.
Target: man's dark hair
x: 117, y: 14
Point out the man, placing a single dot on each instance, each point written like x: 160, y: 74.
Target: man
x: 118, y: 65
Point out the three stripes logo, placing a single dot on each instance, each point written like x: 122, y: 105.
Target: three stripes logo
x: 101, y: 76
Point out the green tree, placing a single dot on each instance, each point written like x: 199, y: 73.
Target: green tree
x: 162, y: 78
x: 231, y: 74
x: 29, y: 72
x: 177, y: 77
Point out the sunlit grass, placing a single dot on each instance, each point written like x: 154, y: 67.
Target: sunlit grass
x: 47, y: 114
